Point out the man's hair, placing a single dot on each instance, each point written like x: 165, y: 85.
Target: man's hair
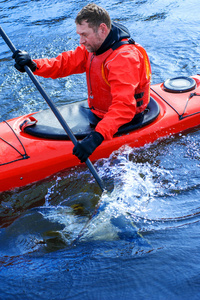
x: 94, y: 15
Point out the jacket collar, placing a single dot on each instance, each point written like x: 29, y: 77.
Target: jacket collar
x: 117, y: 33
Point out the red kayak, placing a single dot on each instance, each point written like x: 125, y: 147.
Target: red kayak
x: 35, y: 146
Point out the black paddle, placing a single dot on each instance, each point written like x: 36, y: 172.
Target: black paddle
x: 54, y: 109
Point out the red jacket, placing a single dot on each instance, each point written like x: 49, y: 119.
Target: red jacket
x: 120, y: 74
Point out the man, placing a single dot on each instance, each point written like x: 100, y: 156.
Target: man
x: 118, y: 74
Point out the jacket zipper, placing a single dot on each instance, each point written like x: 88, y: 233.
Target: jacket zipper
x: 91, y: 95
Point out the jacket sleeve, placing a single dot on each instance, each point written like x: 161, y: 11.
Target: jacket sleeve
x: 123, y: 74
x: 65, y: 64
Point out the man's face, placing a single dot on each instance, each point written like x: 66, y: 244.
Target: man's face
x: 92, y: 40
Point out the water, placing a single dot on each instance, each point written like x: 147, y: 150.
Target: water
x: 143, y: 240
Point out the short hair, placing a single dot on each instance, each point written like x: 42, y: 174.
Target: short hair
x: 94, y: 15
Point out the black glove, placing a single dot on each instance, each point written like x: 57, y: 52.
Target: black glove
x: 86, y: 147
x: 22, y: 58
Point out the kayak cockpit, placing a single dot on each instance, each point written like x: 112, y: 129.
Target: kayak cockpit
x: 78, y: 118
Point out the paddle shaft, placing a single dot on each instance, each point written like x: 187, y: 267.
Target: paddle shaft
x: 54, y: 109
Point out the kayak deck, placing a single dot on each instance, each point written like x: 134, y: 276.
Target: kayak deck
x: 25, y: 158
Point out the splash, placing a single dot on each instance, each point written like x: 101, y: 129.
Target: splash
x: 144, y: 194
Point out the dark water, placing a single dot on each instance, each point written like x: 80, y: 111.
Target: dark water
x: 143, y: 243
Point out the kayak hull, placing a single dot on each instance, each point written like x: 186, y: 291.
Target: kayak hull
x: 41, y: 158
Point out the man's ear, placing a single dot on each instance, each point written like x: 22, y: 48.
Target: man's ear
x: 103, y: 29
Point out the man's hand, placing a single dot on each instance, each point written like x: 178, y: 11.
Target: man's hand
x: 87, y: 146
x: 22, y: 58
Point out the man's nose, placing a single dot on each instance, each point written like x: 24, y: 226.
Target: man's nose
x: 82, y: 40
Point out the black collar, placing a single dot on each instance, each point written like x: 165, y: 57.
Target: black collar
x: 116, y: 34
